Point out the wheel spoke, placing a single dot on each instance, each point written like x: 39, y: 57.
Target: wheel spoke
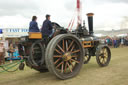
x: 75, y: 61
x: 70, y: 45
x: 74, y: 56
x: 105, y: 50
x: 103, y: 61
x: 76, y: 51
x: 105, y: 55
x: 65, y: 67
x: 66, y: 45
x: 72, y: 48
x: 62, y: 68
x: 56, y: 61
x: 69, y: 66
x: 58, y: 51
x: 71, y: 63
x: 59, y: 64
x: 100, y: 58
x: 57, y: 56
x: 60, y: 48
x: 63, y: 45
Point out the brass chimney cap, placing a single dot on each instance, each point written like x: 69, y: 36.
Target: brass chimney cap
x: 90, y: 14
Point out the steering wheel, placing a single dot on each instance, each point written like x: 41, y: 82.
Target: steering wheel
x: 56, y: 26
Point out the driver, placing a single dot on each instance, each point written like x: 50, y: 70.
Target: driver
x: 47, y: 29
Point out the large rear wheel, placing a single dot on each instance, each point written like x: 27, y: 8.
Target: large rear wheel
x: 64, y: 56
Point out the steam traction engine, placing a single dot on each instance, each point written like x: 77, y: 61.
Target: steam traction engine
x: 65, y: 53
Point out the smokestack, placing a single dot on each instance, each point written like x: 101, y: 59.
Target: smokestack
x: 90, y: 23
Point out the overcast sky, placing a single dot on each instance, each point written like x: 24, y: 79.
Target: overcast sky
x: 109, y: 14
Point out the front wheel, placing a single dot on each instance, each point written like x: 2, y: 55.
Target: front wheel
x: 103, y: 56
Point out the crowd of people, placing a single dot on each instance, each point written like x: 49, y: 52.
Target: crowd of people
x: 117, y: 42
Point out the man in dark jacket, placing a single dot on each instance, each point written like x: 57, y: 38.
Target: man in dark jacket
x: 33, y: 27
x: 47, y: 29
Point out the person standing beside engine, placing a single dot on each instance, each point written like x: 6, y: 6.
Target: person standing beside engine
x: 11, y: 51
x: 33, y: 27
x: 122, y: 42
x: 2, y: 53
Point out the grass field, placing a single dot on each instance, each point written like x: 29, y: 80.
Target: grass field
x: 91, y: 74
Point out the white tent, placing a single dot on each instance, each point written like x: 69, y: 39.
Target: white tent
x: 122, y: 35
x: 99, y: 35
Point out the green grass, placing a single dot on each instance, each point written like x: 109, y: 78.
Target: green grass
x: 91, y: 74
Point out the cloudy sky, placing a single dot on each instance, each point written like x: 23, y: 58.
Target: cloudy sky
x: 109, y: 14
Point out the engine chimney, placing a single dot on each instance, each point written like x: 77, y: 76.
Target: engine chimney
x: 90, y: 23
